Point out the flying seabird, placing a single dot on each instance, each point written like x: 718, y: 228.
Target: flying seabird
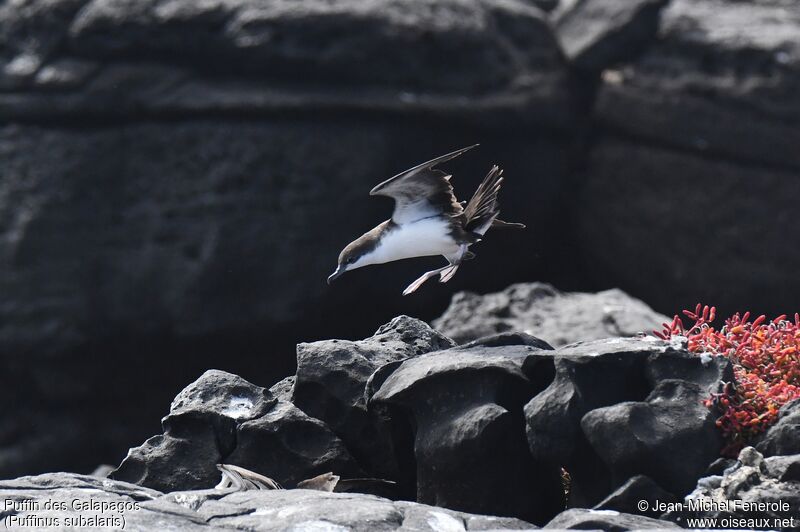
x: 427, y: 220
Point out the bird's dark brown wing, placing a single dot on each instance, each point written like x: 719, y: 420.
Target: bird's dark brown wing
x: 422, y: 191
x: 483, y: 208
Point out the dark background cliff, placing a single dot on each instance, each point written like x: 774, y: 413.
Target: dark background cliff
x: 178, y: 177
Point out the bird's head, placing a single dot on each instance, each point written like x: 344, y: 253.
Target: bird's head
x: 355, y: 255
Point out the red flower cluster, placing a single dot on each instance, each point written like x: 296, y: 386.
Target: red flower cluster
x: 766, y: 363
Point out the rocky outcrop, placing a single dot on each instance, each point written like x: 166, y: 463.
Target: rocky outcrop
x: 332, y: 376
x: 462, y: 409
x: 755, y: 492
x: 494, y: 426
x: 545, y: 312
x: 619, y: 408
x: 123, y: 60
x: 221, y: 418
x: 718, y: 81
x: 670, y: 436
x: 135, y: 508
x: 713, y: 95
x: 305, y: 425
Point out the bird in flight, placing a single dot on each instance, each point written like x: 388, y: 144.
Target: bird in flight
x: 427, y: 220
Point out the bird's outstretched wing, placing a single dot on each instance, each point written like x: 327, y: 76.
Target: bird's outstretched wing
x: 422, y: 191
x: 482, y: 210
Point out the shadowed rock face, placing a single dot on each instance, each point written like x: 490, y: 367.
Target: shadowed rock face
x: 178, y: 178
x: 617, y: 408
x: 720, y: 80
x: 465, y: 407
x: 153, y: 57
x: 671, y: 422
x: 696, y: 158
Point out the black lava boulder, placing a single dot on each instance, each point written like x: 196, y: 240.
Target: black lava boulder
x: 332, y: 376
x: 462, y: 412
x: 221, y: 418
x: 653, y: 382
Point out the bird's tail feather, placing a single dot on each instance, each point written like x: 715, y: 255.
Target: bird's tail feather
x: 500, y: 224
x: 482, y: 210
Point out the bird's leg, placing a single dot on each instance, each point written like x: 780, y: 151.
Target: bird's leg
x: 451, y: 270
x: 425, y: 276
x: 448, y: 273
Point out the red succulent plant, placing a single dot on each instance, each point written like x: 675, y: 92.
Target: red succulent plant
x: 766, y: 364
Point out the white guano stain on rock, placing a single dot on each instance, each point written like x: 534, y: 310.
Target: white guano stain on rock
x: 239, y: 407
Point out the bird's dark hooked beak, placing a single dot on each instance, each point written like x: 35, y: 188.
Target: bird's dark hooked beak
x: 335, y: 275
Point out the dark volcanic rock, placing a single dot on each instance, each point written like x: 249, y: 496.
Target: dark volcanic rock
x: 541, y: 310
x: 770, y: 487
x: 250, y: 56
x: 589, y: 376
x: 280, y: 510
x: 465, y: 407
x: 784, y: 436
x: 630, y: 212
x: 606, y: 520
x: 621, y: 374
x: 714, y: 95
x: 221, y: 418
x: 287, y: 445
x: 596, y: 34
x: 670, y: 437
x: 626, y: 498
x: 199, y: 432
x: 482, y: 427
x: 332, y: 376
x: 722, y: 79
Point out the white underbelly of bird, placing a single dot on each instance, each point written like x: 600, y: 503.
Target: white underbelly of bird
x: 422, y: 238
